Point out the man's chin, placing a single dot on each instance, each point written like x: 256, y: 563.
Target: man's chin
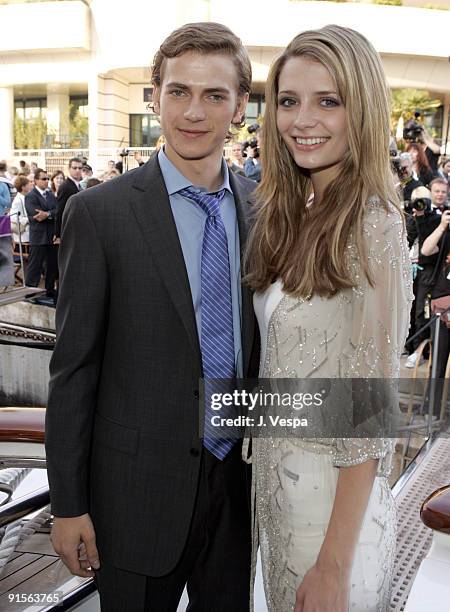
x: 195, y: 155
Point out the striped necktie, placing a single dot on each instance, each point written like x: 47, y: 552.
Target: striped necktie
x: 217, y: 338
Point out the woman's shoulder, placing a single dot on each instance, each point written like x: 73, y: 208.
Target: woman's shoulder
x: 382, y: 218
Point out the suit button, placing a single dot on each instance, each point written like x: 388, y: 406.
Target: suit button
x: 194, y: 452
x: 196, y: 394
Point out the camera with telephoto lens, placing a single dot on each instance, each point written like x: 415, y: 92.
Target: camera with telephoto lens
x: 394, y: 158
x: 421, y: 204
x: 253, y: 143
x: 412, y: 129
x: 254, y: 127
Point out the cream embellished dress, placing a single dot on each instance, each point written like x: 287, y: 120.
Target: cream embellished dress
x: 358, y: 333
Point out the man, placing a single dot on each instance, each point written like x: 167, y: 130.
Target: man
x: 444, y: 171
x: 40, y: 204
x: 407, y: 179
x: 438, y: 188
x: 86, y: 173
x: 237, y: 162
x: 130, y: 478
x: 69, y: 187
x: 423, y: 221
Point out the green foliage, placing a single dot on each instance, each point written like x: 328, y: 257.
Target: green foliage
x: 241, y: 134
x: 78, y: 128
x: 388, y: 2
x: 33, y: 133
x: 29, y: 134
x: 406, y: 101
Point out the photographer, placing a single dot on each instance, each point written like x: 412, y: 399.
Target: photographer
x: 425, y: 152
x: 438, y: 245
x: 420, y: 224
x: 407, y: 181
x: 421, y: 165
x: 252, y: 164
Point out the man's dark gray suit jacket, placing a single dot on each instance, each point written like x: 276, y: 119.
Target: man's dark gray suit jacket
x: 41, y: 232
x: 67, y: 189
x: 123, y: 410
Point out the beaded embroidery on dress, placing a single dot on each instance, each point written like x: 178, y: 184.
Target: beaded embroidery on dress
x: 358, y: 333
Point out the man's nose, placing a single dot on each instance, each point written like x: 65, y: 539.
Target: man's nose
x: 195, y: 110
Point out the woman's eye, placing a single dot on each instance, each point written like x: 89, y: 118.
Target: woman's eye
x: 329, y: 102
x: 286, y: 102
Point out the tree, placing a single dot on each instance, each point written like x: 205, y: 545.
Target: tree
x: 405, y: 102
x: 30, y: 133
x: 78, y: 128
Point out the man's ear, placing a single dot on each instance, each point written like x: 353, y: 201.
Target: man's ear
x: 155, y: 99
x: 242, y: 102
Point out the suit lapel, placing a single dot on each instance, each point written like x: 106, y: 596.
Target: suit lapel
x: 151, y: 206
x: 42, y: 201
x: 243, y: 204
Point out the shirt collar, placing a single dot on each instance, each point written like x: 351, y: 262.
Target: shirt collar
x: 175, y: 181
x: 41, y: 191
x: 77, y: 183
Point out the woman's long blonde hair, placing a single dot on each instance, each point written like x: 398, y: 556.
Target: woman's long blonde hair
x: 305, y: 247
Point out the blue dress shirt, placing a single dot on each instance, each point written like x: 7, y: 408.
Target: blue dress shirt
x: 190, y: 222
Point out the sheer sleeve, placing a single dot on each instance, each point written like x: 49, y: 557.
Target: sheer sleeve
x: 380, y: 322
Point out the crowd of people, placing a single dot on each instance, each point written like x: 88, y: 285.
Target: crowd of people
x: 35, y: 200
x: 423, y: 182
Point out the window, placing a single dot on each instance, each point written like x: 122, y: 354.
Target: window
x: 255, y: 107
x: 144, y: 130
x: 80, y: 104
x: 31, y: 108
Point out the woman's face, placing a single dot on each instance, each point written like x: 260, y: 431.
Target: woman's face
x: 311, y: 118
x: 414, y: 154
x: 27, y: 188
x: 58, y: 181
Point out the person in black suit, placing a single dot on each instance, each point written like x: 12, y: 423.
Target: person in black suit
x: 139, y: 498
x: 40, y: 204
x: 69, y: 187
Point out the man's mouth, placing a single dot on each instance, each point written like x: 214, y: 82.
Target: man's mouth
x: 193, y: 134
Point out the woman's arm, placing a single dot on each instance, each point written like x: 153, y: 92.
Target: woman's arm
x: 430, y: 245
x: 326, y: 584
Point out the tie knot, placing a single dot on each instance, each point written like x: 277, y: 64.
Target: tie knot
x: 209, y: 202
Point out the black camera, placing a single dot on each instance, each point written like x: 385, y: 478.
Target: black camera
x: 421, y: 204
x: 253, y: 143
x: 124, y: 152
x: 394, y: 158
x: 412, y: 129
x: 254, y: 127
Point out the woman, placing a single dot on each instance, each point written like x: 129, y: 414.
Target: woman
x: 57, y: 179
x: 329, y: 264
x: 19, y: 218
x: 420, y: 163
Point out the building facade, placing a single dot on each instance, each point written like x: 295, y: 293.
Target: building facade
x: 74, y: 74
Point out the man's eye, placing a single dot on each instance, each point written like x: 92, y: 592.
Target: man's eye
x: 286, y: 102
x: 216, y: 97
x: 177, y: 93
